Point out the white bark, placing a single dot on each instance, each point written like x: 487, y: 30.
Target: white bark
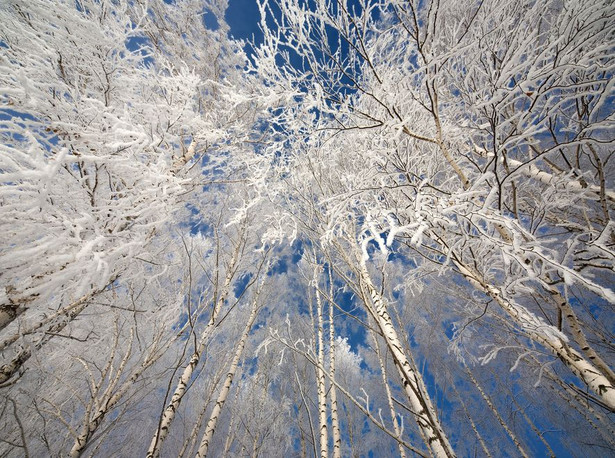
x: 472, y: 424
x: 495, y: 412
x: 320, y: 376
x: 66, y: 315
x: 182, y: 384
x: 226, y: 388
x: 64, y: 311
x: 579, y: 336
x: 548, y: 337
x: 385, y: 382
x: 548, y: 179
x: 110, y: 398
x: 335, y: 425
x: 426, y: 417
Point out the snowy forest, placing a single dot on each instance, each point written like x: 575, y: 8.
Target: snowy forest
x: 377, y: 228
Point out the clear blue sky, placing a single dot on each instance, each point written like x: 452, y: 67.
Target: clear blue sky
x: 242, y: 16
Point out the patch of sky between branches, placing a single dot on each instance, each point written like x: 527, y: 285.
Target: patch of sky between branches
x: 6, y: 114
x: 140, y: 44
x: 283, y: 261
x: 243, y: 17
x: 45, y: 137
x: 195, y: 222
x: 242, y: 284
x: 210, y: 21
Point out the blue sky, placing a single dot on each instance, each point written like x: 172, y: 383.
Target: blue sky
x: 242, y: 17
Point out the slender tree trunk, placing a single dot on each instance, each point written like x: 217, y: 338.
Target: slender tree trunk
x: 320, y: 376
x: 67, y: 310
x: 110, y: 399
x: 364, y: 408
x: 525, y: 416
x: 579, y: 336
x: 190, y: 441
x: 481, y: 441
x: 182, y: 384
x: 230, y: 438
x: 335, y: 424
x: 309, y: 415
x: 495, y: 412
x: 584, y: 408
x: 426, y: 417
x: 385, y: 382
x: 67, y: 315
x: 226, y: 388
x: 587, y: 372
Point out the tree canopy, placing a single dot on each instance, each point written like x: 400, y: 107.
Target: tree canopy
x: 380, y: 228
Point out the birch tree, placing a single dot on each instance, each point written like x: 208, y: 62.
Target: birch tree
x: 210, y: 427
x: 467, y: 124
x: 220, y: 296
x: 94, y: 370
x: 93, y: 142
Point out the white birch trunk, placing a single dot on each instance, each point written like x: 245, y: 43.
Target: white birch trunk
x: 320, y: 377
x: 180, y: 389
x: 110, y: 400
x: 471, y: 421
x: 385, y: 382
x: 586, y: 371
x: 365, y: 410
x: 426, y: 417
x: 547, y: 178
x: 69, y: 313
x: 226, y: 388
x: 190, y: 442
x: 64, y: 311
x: 335, y: 424
x: 495, y: 412
x: 579, y: 335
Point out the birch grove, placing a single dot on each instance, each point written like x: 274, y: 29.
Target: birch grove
x: 369, y: 228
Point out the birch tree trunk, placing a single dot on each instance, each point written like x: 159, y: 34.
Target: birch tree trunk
x: 111, y: 396
x: 385, y: 382
x: 471, y: 422
x: 182, y: 384
x: 495, y: 412
x: 191, y: 441
x: 579, y: 336
x: 226, y: 388
x: 320, y: 374
x: 335, y: 425
x: 426, y: 417
x: 554, y: 341
x: 59, y: 320
x: 67, y: 315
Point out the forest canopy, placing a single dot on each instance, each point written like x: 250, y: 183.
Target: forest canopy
x: 377, y: 228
